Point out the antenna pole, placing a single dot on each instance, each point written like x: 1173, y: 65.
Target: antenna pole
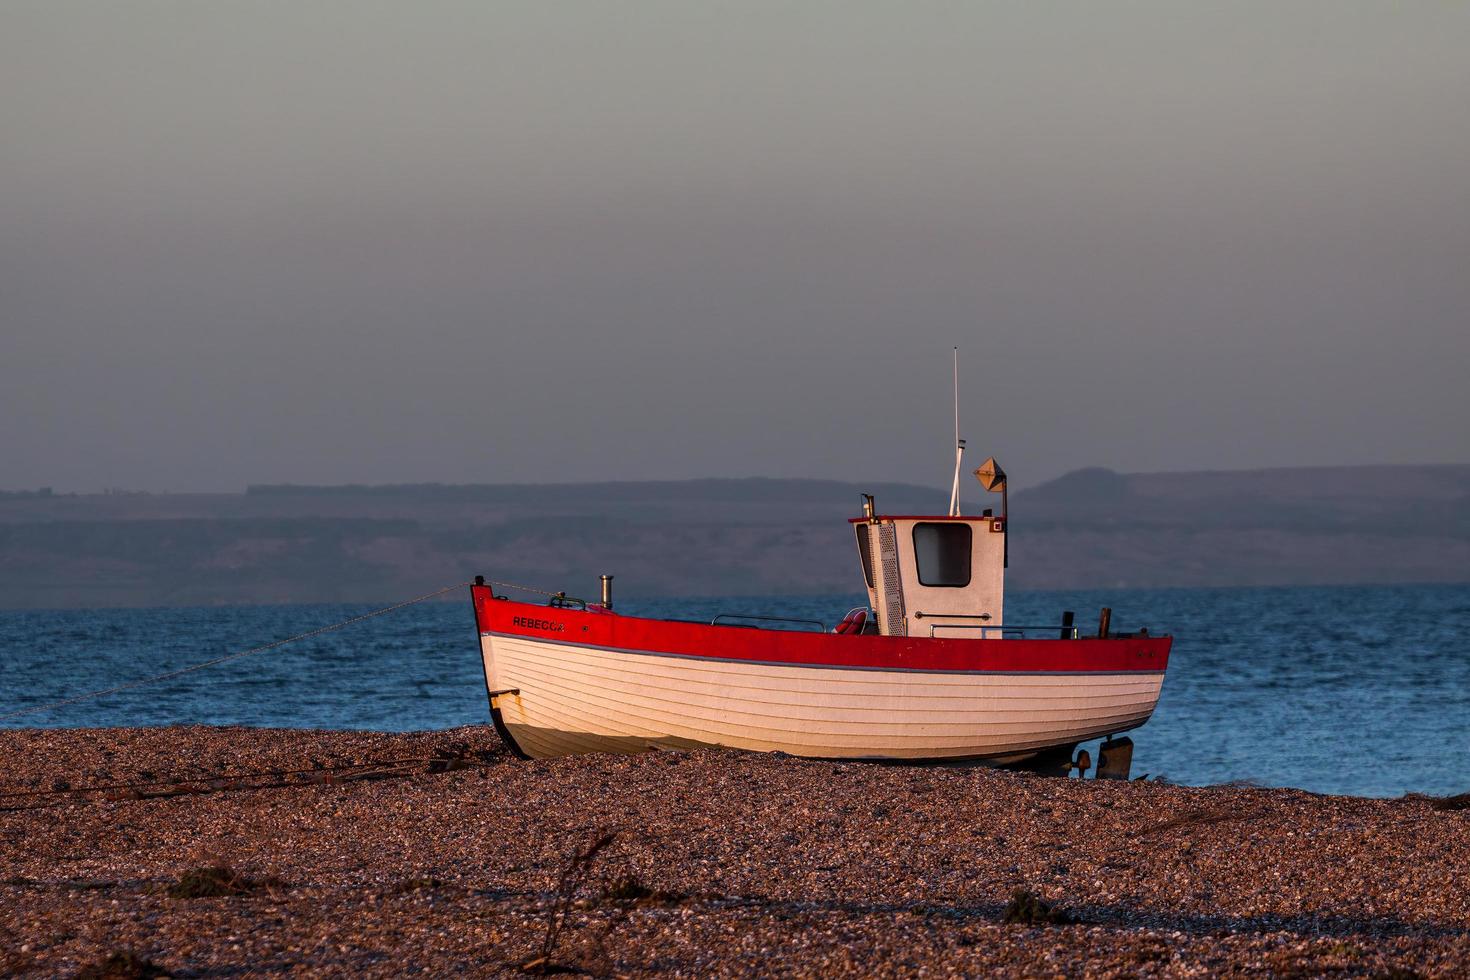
x: 957, y: 396
x: 959, y: 444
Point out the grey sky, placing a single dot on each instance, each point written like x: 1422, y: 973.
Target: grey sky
x: 330, y: 242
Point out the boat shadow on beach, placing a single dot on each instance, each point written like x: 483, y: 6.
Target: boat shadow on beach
x: 1126, y: 917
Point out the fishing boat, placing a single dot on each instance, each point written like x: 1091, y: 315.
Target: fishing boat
x: 927, y: 671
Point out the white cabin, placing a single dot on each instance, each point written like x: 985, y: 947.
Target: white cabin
x: 934, y: 576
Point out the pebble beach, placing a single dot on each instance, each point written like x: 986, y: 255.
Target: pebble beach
x: 210, y: 852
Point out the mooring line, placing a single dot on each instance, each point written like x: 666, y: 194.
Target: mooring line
x: 525, y: 588
x: 233, y: 656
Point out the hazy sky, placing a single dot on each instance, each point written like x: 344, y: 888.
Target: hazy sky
x: 345, y: 241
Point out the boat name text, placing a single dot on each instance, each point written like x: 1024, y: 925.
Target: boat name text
x: 539, y: 624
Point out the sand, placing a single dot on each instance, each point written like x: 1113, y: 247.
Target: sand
x: 719, y: 863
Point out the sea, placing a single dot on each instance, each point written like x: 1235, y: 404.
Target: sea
x: 1361, y: 690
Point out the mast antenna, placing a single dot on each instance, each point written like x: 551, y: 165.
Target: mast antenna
x: 959, y: 444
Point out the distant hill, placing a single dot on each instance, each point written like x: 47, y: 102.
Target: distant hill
x: 1319, y: 525
x: 1090, y: 528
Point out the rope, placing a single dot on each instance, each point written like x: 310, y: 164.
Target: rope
x: 235, y: 656
x: 524, y: 588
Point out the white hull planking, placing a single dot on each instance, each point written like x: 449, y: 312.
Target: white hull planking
x: 577, y: 699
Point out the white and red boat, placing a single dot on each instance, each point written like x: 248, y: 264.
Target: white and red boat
x: 929, y: 671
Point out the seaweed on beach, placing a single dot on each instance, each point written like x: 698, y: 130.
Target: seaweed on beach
x: 1029, y: 909
x: 628, y: 888
x: 410, y: 885
x: 218, y: 881
x: 1193, y: 818
x: 1460, y: 801
x: 122, y: 965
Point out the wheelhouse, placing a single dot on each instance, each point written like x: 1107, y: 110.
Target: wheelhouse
x: 933, y: 576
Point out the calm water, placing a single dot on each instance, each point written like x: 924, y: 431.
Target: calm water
x: 1362, y: 690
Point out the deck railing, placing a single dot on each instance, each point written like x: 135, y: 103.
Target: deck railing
x: 820, y: 626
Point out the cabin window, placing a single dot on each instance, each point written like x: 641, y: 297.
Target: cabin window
x: 942, y: 553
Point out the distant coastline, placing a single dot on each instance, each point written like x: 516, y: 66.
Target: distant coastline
x: 1093, y: 528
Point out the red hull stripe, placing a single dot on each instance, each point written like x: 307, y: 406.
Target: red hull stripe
x: 1144, y: 654
x: 783, y: 663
